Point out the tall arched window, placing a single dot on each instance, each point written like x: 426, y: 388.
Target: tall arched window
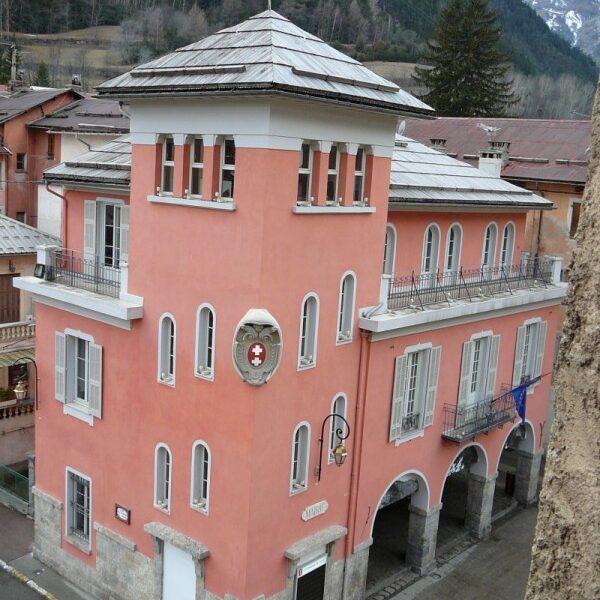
x: 346, y: 308
x: 389, y: 251
x: 338, y: 407
x: 431, y: 246
x: 200, y: 477
x: 453, y: 245
x: 162, y: 477
x: 309, y: 316
x: 166, y: 350
x: 205, y: 342
x: 488, y: 256
x: 300, y: 452
x: 508, y: 244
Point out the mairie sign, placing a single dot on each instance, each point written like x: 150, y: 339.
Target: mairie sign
x: 314, y: 510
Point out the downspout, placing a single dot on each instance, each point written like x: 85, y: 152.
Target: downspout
x: 63, y: 218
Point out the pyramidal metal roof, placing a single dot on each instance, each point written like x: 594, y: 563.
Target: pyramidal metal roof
x: 266, y: 54
x: 18, y: 238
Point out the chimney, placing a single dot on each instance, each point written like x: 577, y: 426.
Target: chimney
x: 438, y: 144
x: 494, y: 158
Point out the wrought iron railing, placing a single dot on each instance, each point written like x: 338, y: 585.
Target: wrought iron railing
x: 419, y: 291
x: 465, y: 422
x: 411, y: 423
x: 14, y: 483
x: 70, y: 268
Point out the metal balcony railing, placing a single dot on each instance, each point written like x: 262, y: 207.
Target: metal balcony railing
x: 69, y: 268
x: 419, y: 291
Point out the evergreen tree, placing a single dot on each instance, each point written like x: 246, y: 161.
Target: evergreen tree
x: 42, y: 76
x: 467, y: 72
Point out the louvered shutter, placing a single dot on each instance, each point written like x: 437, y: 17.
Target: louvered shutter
x: 432, y: 381
x: 492, y: 366
x: 518, y: 368
x: 89, y: 229
x: 465, y: 373
x: 541, y: 345
x: 124, y: 257
x: 59, y: 366
x: 95, y: 380
x: 398, y: 397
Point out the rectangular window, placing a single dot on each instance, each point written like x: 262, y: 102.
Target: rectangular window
x: 333, y: 169
x: 50, y: 146
x: 478, y: 370
x: 79, y: 503
x: 2, y: 175
x: 305, y: 174
x: 21, y: 162
x: 197, y: 167
x: 359, y: 177
x: 10, y: 300
x: 105, y: 236
x: 168, y: 165
x: 529, y: 353
x: 574, y: 223
x: 111, y: 234
x: 21, y: 217
x: 227, y: 168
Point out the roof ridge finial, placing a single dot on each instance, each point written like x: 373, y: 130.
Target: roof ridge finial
x: 269, y: 5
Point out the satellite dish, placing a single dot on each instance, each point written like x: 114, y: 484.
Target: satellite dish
x: 401, y: 128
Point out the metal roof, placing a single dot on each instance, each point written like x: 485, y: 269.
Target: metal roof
x: 110, y: 164
x: 20, y: 102
x: 564, y: 146
x: 267, y: 54
x: 423, y: 176
x: 88, y: 115
x: 18, y: 238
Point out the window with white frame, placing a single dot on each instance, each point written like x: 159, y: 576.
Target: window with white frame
x: 529, y: 351
x: 307, y: 351
x: 337, y: 427
x: 488, y: 255
x: 168, y: 165
x: 166, y: 350
x: 346, y: 308
x: 200, y: 477
x: 453, y: 245
x: 359, y: 176
x: 78, y: 372
x: 205, y: 342
x: 333, y: 171
x: 79, y: 506
x: 416, y: 375
x: 508, y: 244
x: 478, y: 369
x: 196, y: 166
x: 162, y: 477
x: 300, y: 451
x: 305, y: 174
x: 106, y: 232
x: 226, y: 189
x: 431, y: 246
x: 389, y: 250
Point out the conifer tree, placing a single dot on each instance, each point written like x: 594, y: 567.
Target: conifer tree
x: 42, y: 77
x: 467, y: 72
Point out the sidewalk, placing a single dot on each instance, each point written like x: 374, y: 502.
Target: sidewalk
x: 16, y: 543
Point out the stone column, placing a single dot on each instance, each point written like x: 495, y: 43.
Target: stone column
x: 528, y: 473
x: 480, y: 499
x: 422, y: 538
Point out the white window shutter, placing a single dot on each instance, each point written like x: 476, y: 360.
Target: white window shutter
x: 541, y: 344
x: 398, y: 397
x: 465, y: 373
x: 95, y: 380
x: 518, y: 368
x: 59, y: 366
x: 89, y: 229
x: 492, y: 367
x: 432, y: 381
x: 124, y: 257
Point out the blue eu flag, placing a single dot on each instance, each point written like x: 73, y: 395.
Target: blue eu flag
x: 520, y: 397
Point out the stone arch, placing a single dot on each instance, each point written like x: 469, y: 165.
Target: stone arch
x: 526, y: 444
x: 478, y: 468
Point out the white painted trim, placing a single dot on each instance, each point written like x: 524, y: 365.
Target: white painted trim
x: 77, y: 333
x: 155, y: 479
x: 461, y: 234
x: 512, y: 428
x: 412, y: 436
x: 481, y: 334
x: 495, y: 254
x: 392, y: 227
x: 482, y: 453
x: 532, y: 321
x: 211, y: 308
x: 294, y: 492
x: 332, y: 210
x: 194, y: 202
x: 436, y: 259
x: 313, y: 364
x: 417, y: 348
x: 330, y: 459
x: 204, y: 510
x: 78, y: 411
x: 170, y: 383
x: 338, y: 341
x: 66, y: 504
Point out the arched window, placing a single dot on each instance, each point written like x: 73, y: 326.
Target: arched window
x: 333, y: 171
x: 431, y: 245
x: 307, y: 352
x: 305, y: 174
x: 508, y: 244
x: 168, y: 165
x: 166, y: 350
x: 359, y: 177
x: 488, y: 256
x: 453, y: 246
x: 346, y: 308
x: 299, y: 467
x: 200, y: 477
x: 205, y: 342
x: 389, y: 251
x: 196, y: 166
x: 227, y: 168
x: 162, y: 477
x: 338, y: 407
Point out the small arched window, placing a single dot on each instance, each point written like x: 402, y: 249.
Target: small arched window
x: 166, y: 350
x: 307, y: 352
x: 299, y: 467
x: 488, y: 256
x: 338, y: 407
x: 389, y: 251
x: 431, y: 245
x: 508, y: 244
x: 200, y: 477
x: 205, y: 342
x: 453, y: 249
x: 346, y: 308
x: 162, y: 477
x: 168, y: 165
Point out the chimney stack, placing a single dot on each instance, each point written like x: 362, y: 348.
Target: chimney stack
x: 438, y: 144
x: 494, y: 158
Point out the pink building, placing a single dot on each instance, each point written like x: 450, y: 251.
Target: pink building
x: 277, y: 358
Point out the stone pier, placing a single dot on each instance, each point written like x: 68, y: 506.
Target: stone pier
x: 422, y: 538
x: 480, y: 499
x: 527, y: 477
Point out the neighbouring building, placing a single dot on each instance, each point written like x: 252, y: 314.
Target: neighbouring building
x: 279, y: 349
x: 548, y: 157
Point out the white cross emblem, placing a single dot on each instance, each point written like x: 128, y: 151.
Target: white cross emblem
x: 257, y: 350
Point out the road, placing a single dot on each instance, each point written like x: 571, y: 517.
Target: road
x: 13, y: 589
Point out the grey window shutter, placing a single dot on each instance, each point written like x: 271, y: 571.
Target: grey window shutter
x: 518, y: 368
x: 89, y: 229
x: 95, y: 380
x: 541, y: 344
x: 465, y: 373
x: 492, y: 366
x: 124, y: 257
x: 432, y: 381
x: 398, y: 397
x: 59, y: 366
